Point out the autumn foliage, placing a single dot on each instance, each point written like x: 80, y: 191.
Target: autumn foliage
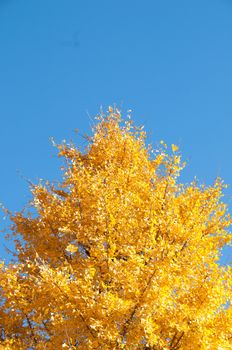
x: 119, y: 254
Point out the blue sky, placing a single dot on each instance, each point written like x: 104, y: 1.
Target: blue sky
x: 169, y: 61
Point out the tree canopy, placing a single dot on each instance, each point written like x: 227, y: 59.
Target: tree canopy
x: 119, y: 254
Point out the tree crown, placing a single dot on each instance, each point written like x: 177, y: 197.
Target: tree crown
x: 119, y: 255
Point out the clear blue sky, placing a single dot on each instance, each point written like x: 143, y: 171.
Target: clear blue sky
x: 169, y: 61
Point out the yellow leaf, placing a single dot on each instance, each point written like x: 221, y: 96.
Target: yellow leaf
x: 174, y: 148
x: 92, y: 271
x: 72, y: 248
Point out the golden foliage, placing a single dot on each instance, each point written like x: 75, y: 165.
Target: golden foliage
x: 119, y: 255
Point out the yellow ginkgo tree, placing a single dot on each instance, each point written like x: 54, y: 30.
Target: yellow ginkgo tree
x: 119, y: 254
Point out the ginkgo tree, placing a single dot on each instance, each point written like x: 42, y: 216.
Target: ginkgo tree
x: 119, y: 254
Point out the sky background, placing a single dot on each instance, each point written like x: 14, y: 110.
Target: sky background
x: 60, y: 61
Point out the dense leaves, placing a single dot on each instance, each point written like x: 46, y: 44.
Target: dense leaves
x: 119, y: 255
